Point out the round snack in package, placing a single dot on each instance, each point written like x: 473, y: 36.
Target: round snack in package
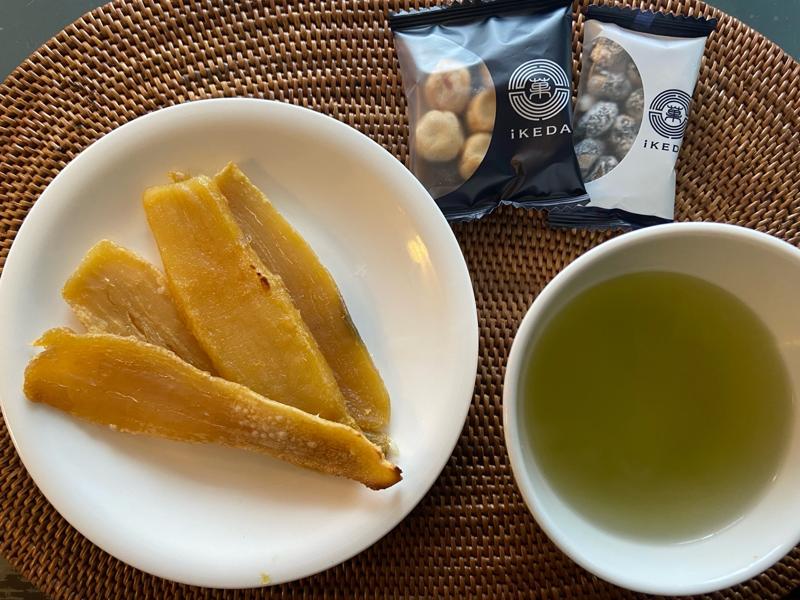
x: 481, y: 111
x: 438, y: 136
x: 608, y: 85
x: 596, y: 121
x: 588, y: 151
x: 449, y: 87
x: 473, y: 154
x: 606, y: 54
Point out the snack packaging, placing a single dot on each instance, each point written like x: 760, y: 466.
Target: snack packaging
x: 488, y: 86
x: 638, y: 73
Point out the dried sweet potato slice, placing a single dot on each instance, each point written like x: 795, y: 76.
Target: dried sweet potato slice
x: 240, y: 312
x: 116, y: 291
x: 141, y: 388
x: 315, y: 293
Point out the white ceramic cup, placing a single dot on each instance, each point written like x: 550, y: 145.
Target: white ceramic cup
x: 762, y: 271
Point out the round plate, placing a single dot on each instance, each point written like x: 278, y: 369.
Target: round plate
x: 216, y: 516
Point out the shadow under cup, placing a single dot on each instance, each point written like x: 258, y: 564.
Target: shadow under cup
x: 764, y: 273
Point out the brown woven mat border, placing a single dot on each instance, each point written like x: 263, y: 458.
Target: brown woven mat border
x: 471, y: 536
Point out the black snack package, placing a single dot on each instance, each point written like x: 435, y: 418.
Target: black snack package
x: 638, y: 74
x: 488, y: 85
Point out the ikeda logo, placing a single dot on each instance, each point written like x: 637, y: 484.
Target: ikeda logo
x: 669, y: 113
x: 539, y: 89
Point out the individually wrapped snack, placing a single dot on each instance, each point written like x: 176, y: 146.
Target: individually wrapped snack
x: 488, y: 89
x: 638, y: 73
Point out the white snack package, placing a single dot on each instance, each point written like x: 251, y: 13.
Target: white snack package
x: 639, y: 70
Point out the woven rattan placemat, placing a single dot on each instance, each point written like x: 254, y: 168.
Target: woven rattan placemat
x: 471, y: 536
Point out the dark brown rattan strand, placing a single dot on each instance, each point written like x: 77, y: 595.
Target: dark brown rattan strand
x: 471, y: 536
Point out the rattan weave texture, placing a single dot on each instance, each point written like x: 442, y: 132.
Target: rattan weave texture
x: 471, y: 536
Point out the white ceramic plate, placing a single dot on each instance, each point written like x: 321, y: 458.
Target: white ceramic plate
x: 220, y: 517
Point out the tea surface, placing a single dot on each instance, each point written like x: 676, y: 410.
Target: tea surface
x: 658, y: 405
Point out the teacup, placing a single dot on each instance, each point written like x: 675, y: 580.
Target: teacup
x: 764, y: 273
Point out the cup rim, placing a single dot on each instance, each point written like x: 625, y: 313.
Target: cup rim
x: 513, y: 439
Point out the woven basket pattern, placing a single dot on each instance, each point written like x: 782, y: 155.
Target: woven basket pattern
x: 471, y: 536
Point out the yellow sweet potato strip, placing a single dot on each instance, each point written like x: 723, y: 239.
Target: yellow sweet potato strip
x: 240, y: 312
x: 116, y: 291
x: 315, y: 293
x: 141, y: 388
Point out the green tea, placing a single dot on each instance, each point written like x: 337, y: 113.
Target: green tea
x: 657, y: 405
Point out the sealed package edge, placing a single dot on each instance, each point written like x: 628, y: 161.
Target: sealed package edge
x: 488, y: 88
x: 638, y: 73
